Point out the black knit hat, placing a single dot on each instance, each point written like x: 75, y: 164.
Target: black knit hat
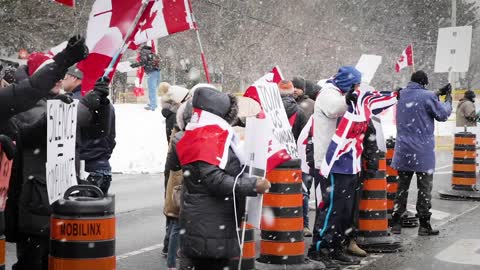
x: 420, y: 77
x: 470, y: 95
x: 299, y: 83
x: 312, y: 89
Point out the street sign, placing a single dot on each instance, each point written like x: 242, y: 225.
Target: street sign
x: 453, y: 49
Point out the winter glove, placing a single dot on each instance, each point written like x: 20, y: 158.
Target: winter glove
x: 447, y: 89
x: 75, y: 51
x: 398, y: 92
x: 7, y: 146
x: 64, y: 98
x: 448, y: 98
x: 262, y: 185
x: 350, y: 97
x: 98, y: 96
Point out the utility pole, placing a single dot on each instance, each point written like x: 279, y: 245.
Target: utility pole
x: 452, y: 75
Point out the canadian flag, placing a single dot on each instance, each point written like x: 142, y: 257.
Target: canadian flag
x: 110, y: 21
x: 70, y: 3
x: 406, y: 59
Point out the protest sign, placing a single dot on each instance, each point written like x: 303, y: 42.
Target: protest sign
x: 61, y: 135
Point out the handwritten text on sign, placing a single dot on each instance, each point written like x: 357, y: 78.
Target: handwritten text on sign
x: 61, y: 131
x: 5, y: 172
x: 273, y: 107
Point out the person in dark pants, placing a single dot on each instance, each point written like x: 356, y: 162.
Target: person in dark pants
x: 417, y: 110
x: 208, y: 214
x: 150, y: 61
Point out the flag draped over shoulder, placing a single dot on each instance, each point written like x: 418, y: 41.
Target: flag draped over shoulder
x: 345, y: 150
x: 208, y: 138
x: 110, y: 21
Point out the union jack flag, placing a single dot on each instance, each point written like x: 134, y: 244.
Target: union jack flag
x: 345, y: 150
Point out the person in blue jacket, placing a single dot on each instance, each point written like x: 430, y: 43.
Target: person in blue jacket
x: 417, y: 110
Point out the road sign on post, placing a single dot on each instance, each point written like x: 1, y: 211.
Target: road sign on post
x: 453, y: 49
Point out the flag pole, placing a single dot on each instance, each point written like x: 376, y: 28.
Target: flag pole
x: 413, y: 59
x: 127, y: 36
x: 202, y: 54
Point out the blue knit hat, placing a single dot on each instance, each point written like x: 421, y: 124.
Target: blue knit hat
x: 346, y: 77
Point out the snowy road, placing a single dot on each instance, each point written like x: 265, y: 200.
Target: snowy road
x: 140, y: 226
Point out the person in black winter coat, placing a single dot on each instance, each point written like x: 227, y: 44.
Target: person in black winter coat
x: 207, y: 212
x: 296, y: 116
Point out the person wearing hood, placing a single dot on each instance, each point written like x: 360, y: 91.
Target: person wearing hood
x: 172, y: 97
x: 72, y: 83
x: 417, y: 110
x: 466, y: 115
x: 296, y: 116
x: 214, y: 185
x: 301, y: 97
x: 331, y: 104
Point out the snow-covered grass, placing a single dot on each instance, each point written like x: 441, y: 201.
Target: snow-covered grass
x: 141, y: 140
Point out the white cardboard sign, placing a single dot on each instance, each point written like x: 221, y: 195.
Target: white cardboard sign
x: 282, y: 136
x: 368, y: 65
x: 61, y: 135
x: 256, y: 143
x: 453, y: 49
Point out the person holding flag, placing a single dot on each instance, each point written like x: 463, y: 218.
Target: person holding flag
x: 150, y: 61
x: 330, y: 105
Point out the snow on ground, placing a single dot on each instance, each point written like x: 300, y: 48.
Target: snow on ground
x: 141, y: 140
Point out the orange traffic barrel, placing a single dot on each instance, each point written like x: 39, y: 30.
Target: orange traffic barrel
x: 282, y: 217
x: 248, y: 251
x: 464, y: 169
x: 409, y: 219
x: 464, y: 175
x: 82, y: 231
x: 392, y: 177
x: 373, y: 234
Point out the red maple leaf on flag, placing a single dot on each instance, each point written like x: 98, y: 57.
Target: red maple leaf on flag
x: 147, y: 23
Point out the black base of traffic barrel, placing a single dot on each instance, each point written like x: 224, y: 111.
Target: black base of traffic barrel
x: 460, y: 195
x: 409, y: 220
x: 384, y: 244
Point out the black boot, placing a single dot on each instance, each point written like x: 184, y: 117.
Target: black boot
x: 396, y: 223
x: 340, y: 257
x: 322, y: 256
x: 425, y: 228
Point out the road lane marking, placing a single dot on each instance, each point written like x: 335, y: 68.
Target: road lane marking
x: 139, y: 251
x: 408, y: 241
x: 436, y: 214
x: 443, y: 167
x: 464, y: 251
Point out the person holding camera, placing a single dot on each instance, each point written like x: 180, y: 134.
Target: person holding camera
x: 417, y: 110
